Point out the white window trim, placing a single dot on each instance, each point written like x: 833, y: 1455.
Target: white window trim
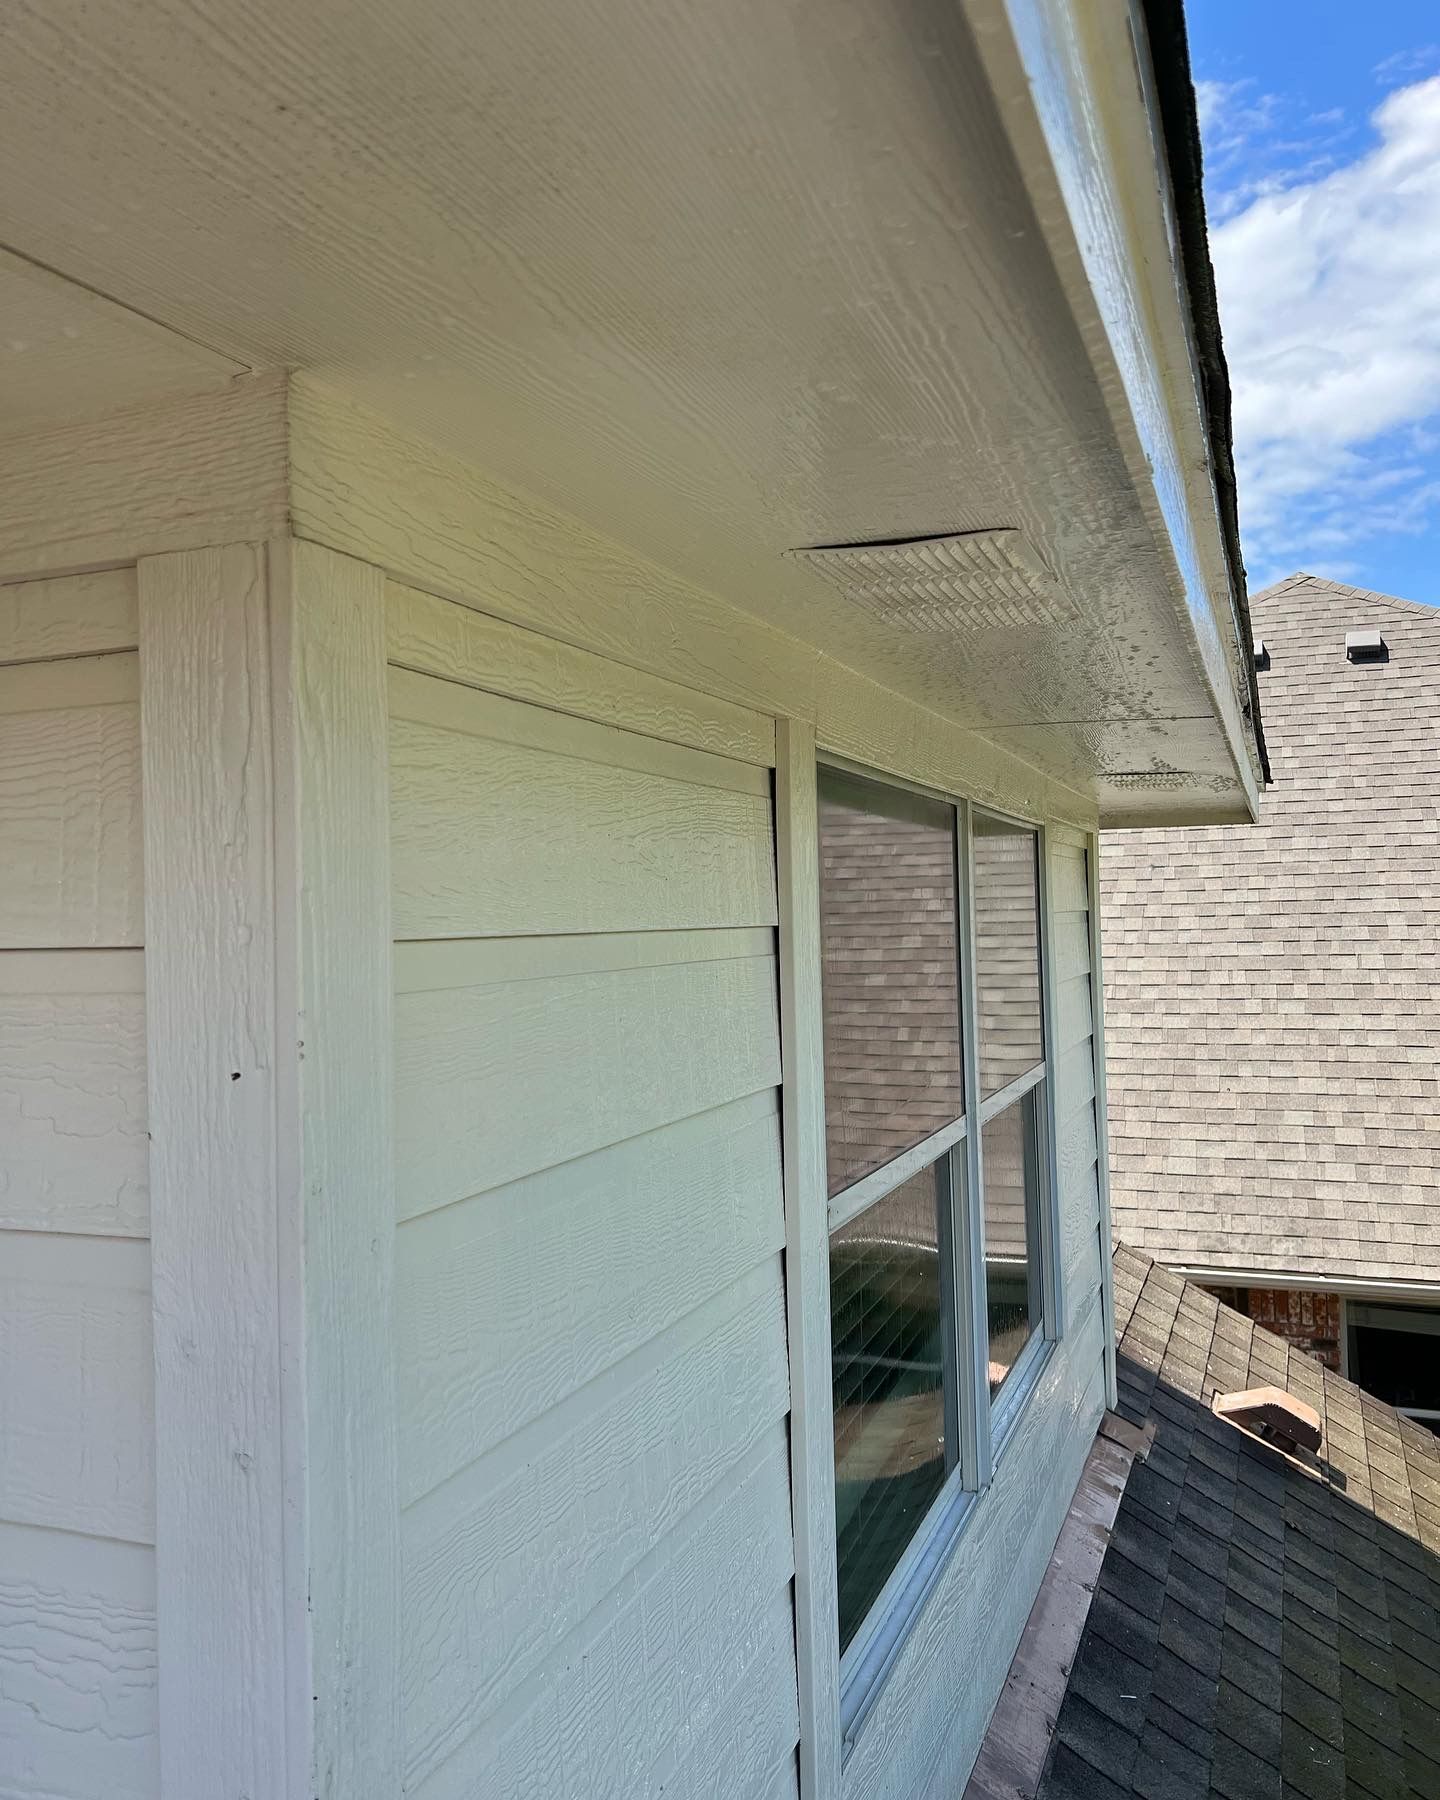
x: 837, y: 1695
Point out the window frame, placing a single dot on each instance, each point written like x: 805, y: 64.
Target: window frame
x: 986, y: 1425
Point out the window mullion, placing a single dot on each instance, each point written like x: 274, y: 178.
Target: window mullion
x: 972, y: 1334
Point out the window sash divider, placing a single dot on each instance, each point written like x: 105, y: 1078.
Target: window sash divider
x: 1011, y: 1092
x: 850, y: 1202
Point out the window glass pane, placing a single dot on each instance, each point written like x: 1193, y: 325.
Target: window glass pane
x: 1007, y: 951
x: 890, y: 946
x: 892, y: 1339
x: 1010, y: 1162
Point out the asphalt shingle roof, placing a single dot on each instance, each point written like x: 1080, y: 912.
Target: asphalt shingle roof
x: 1272, y: 994
x: 1263, y: 1627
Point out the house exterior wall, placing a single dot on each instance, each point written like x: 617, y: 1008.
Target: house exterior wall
x: 480, y: 1436
x: 77, y: 1495
x: 1273, y: 991
x: 589, y: 1246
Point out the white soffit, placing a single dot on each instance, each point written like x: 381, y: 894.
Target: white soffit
x: 971, y: 581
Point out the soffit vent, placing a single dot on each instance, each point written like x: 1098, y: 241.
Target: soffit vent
x: 972, y: 581
x: 1146, y: 778
x: 1366, y: 646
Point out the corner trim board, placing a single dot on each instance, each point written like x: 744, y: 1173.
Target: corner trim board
x: 807, y: 1262
x: 231, y: 1621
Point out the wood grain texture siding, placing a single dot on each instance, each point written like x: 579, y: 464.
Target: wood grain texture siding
x: 76, y: 1407
x: 69, y: 615
x: 506, y: 1559
x: 211, y: 1049
x: 202, y: 471
x: 607, y: 1252
x: 497, y: 1081
x: 76, y: 1154
x: 335, y: 1088
x: 440, y: 637
x: 77, y: 1667
x: 748, y: 1720
x: 610, y: 1714
x: 509, y: 819
x: 70, y: 816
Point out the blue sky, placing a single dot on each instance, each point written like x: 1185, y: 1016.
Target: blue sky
x: 1321, y: 124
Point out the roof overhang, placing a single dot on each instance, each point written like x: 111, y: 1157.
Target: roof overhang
x: 720, y: 282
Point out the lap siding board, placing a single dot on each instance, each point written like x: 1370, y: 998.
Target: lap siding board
x: 77, y: 1482
x: 591, y: 1353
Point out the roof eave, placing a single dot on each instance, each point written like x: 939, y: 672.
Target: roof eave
x: 1083, y: 114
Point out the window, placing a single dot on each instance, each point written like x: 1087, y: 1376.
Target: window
x: 1011, y: 1024
x: 938, y: 1233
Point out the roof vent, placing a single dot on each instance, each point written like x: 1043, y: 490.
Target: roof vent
x: 1366, y: 646
x: 1262, y: 655
x: 969, y: 581
x: 1272, y: 1414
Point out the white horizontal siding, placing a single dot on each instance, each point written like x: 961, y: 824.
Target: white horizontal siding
x: 590, y: 1342
x: 76, y: 1396
x: 496, y: 1081
x: 634, y: 1688
x: 75, y: 1152
x: 601, y: 830
x: 69, y: 615
x: 77, y: 1668
x: 506, y: 1559
x: 581, y: 1265
x: 437, y: 637
x: 70, y: 803
x: 77, y: 1486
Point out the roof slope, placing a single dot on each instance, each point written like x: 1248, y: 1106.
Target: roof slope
x: 1260, y: 1627
x: 1273, y: 991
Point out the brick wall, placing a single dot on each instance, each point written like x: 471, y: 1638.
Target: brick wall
x: 1306, y: 1319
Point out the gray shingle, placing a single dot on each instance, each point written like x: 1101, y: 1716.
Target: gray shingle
x: 1272, y: 992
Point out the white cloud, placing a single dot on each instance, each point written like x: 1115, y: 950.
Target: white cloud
x: 1330, y: 300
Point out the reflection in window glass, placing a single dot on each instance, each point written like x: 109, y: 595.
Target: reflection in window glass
x: 892, y: 1338
x: 1007, y: 951
x: 889, y: 944
x: 1010, y: 1161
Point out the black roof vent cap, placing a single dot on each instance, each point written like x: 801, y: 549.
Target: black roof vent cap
x: 1262, y: 655
x: 1366, y: 646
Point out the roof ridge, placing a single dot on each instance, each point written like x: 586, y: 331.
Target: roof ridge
x: 1341, y: 589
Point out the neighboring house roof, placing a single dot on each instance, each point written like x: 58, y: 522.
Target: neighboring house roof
x: 1263, y: 1625
x: 1273, y: 991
